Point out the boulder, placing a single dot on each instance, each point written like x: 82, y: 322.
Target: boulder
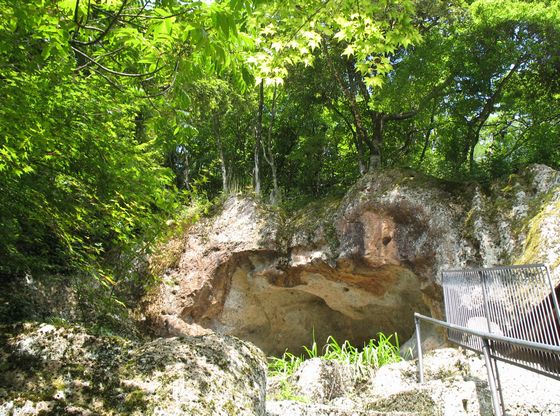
x: 66, y: 370
x: 319, y: 381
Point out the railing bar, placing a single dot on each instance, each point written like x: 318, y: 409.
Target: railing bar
x: 494, y: 337
x: 447, y: 294
x: 508, y: 278
x: 524, y: 366
x: 498, y: 381
x: 507, y: 316
x: 521, y: 324
x: 518, y: 322
x: 498, y: 411
x: 554, y: 298
x: 489, y: 336
x: 515, y: 363
x: 528, y: 346
x: 489, y: 298
x: 461, y: 313
x: 473, y: 290
x: 552, y: 326
x: 510, y: 293
x: 417, y: 324
x: 546, y: 326
x: 454, y: 313
x: 511, y: 267
x: 518, y: 304
x: 550, y: 314
x: 530, y: 314
x: 482, y: 307
x: 499, y: 313
x: 541, y: 326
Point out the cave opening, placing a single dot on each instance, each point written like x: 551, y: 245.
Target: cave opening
x: 322, y: 303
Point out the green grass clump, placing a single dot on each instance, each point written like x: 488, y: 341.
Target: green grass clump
x: 373, y: 354
x: 285, y: 365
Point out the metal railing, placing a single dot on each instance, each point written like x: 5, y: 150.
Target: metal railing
x: 509, y: 314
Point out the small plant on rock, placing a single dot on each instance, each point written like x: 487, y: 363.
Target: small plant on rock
x: 374, y: 354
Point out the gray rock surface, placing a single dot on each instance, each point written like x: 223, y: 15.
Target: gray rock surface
x: 320, y: 380
x: 455, y: 386
x: 65, y: 370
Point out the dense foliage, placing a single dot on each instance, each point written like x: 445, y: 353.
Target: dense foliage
x: 114, y: 112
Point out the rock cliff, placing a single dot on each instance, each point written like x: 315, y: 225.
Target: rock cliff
x: 355, y: 266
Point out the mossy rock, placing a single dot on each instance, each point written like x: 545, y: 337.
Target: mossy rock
x: 51, y: 370
x: 418, y: 402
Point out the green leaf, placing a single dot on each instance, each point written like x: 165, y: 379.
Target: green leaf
x: 349, y: 51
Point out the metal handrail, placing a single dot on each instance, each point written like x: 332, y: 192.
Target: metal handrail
x: 497, y: 402
x: 490, y: 269
x: 518, y: 308
x: 493, y: 337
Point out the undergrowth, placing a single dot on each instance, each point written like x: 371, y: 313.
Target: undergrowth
x: 170, y: 245
x: 374, y: 354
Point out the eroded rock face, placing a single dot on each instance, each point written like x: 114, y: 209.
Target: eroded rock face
x: 352, y: 267
x: 65, y: 370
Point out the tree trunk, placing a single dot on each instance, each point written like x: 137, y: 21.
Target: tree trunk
x: 427, y: 136
x: 258, y: 140
x: 477, y: 123
x: 376, y: 143
x: 362, y: 137
x: 268, y: 150
x: 359, y: 145
x: 216, y: 128
x: 186, y: 179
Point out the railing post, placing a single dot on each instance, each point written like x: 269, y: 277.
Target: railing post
x: 491, y: 378
x: 419, y: 350
x: 492, y: 362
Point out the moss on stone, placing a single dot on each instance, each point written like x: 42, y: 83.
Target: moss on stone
x: 230, y: 408
x: 317, y: 216
x: 135, y: 400
x: 418, y: 402
x: 534, y: 228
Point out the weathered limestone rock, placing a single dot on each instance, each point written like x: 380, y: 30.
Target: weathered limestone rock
x: 320, y: 380
x: 352, y: 267
x: 456, y: 385
x: 49, y: 370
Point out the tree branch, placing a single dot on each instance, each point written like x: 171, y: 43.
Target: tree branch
x: 111, y: 53
x: 111, y: 71
x: 106, y: 30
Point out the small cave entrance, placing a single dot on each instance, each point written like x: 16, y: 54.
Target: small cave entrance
x: 321, y: 304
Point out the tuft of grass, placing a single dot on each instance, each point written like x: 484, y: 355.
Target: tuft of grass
x: 384, y: 351
x: 374, y: 354
x: 287, y: 392
x: 284, y: 366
